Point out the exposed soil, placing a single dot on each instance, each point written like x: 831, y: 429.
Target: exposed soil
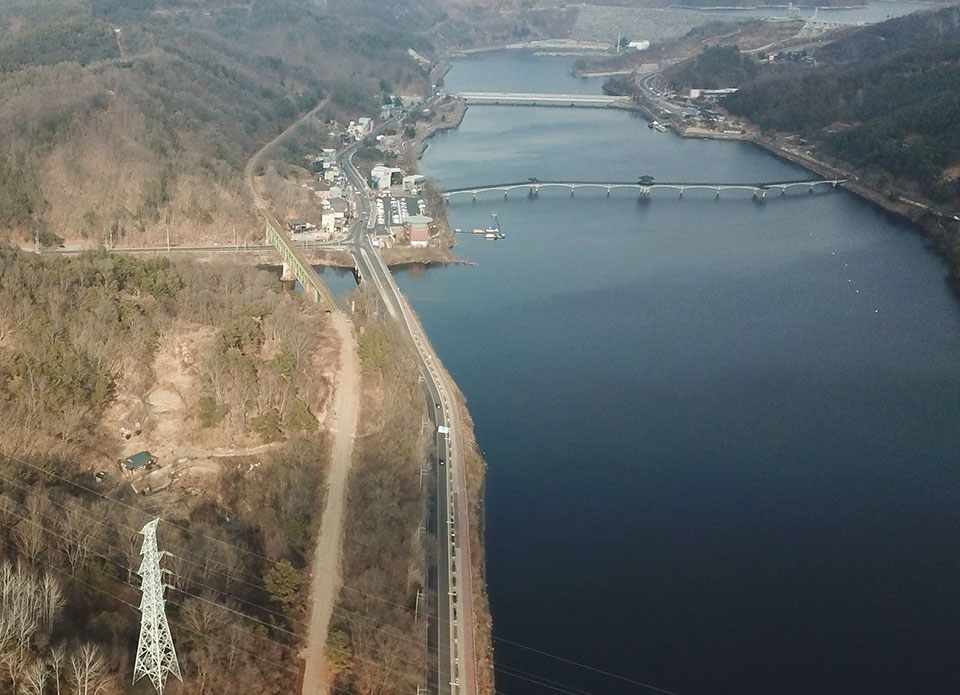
x: 162, y: 422
x: 326, y: 565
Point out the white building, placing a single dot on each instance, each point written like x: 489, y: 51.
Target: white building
x: 383, y: 177
x: 413, y: 184
x: 360, y: 128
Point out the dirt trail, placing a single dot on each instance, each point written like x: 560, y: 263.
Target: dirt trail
x: 248, y: 171
x: 326, y: 559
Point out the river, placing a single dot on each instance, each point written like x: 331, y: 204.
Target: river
x: 722, y: 435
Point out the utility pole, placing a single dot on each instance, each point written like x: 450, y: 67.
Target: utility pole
x: 156, y: 656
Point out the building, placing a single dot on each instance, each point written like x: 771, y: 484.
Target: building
x: 299, y: 225
x: 413, y: 184
x: 639, y: 45
x: 139, y: 460
x: 341, y: 210
x: 384, y: 177
x: 328, y: 221
x: 360, y: 128
x: 418, y: 229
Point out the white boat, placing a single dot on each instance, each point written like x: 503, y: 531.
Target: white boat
x: 493, y: 231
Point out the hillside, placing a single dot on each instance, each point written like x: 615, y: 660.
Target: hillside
x: 884, y: 100
x: 126, y: 121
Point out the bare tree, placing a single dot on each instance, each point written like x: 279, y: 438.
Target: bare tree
x: 58, y: 664
x: 30, y: 533
x: 88, y: 670
x: 19, y: 619
x: 51, y: 601
x: 202, y: 616
x: 35, y: 678
x: 78, y: 530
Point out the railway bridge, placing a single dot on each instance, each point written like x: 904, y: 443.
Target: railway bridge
x: 296, y: 266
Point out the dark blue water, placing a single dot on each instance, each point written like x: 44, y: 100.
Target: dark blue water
x: 722, y: 436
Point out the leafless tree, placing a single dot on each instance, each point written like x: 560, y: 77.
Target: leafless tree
x: 30, y: 533
x: 202, y: 616
x: 78, y: 530
x: 88, y: 670
x: 35, y: 678
x: 58, y: 664
x: 19, y: 619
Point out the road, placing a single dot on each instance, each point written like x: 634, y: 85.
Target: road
x: 456, y: 659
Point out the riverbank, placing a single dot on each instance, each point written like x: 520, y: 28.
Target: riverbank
x: 942, y: 231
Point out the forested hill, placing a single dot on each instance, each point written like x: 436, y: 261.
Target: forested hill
x: 885, y: 100
x: 124, y: 118
x: 879, y: 41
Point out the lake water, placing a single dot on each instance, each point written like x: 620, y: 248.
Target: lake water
x: 722, y: 435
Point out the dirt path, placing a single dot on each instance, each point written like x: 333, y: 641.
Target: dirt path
x: 326, y: 559
x: 248, y: 171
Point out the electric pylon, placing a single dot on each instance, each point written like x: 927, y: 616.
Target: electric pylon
x: 156, y: 656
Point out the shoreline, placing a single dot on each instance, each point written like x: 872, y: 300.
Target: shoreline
x: 926, y: 220
x: 473, y: 462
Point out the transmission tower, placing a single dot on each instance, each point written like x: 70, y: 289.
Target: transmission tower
x: 156, y: 656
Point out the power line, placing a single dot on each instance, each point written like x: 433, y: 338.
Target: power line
x: 501, y: 668
x: 339, y: 611
x: 585, y: 666
x: 345, y: 587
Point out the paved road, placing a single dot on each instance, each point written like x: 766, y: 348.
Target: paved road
x: 456, y: 662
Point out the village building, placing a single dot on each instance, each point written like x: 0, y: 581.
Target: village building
x: 299, y: 225
x: 414, y: 184
x: 384, y: 177
x: 418, y: 230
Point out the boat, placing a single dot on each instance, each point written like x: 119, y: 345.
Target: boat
x: 493, y: 232
x: 660, y: 127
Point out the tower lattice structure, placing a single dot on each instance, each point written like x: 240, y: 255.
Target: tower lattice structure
x: 156, y: 656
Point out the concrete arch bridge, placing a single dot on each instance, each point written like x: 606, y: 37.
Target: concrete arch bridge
x: 534, y: 186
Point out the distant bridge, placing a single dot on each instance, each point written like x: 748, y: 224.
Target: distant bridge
x: 534, y: 186
x: 534, y: 99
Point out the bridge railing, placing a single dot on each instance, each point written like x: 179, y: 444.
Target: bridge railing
x: 302, y: 270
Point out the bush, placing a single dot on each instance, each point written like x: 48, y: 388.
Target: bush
x: 210, y: 412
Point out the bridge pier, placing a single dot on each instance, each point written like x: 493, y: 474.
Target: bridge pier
x: 571, y: 191
x: 505, y: 195
x: 718, y: 194
x: 287, y: 274
x: 608, y: 191
x: 681, y: 192
x: 644, y: 192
